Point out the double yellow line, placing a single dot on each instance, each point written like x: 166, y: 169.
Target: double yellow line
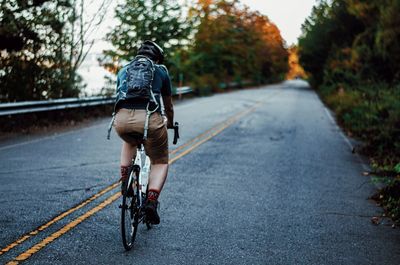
x: 190, y: 145
x: 56, y: 219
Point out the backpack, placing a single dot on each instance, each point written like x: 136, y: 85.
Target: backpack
x: 137, y: 86
x: 139, y: 79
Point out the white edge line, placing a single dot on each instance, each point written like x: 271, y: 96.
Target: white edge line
x: 346, y: 139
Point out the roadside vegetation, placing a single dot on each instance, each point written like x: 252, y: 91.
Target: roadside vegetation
x: 351, y: 50
x: 210, y: 45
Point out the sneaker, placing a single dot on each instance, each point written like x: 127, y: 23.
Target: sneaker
x: 150, y: 208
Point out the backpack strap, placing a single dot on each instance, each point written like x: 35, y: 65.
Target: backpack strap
x: 164, y: 67
x: 148, y: 114
x: 110, y: 126
x: 148, y: 111
x: 162, y: 106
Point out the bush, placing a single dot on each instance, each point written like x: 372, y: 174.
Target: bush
x: 205, y: 85
x: 372, y: 114
x: 389, y: 196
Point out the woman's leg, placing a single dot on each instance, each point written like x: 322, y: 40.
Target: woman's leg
x: 156, y: 148
x: 158, y: 174
x: 157, y: 177
x: 128, y: 151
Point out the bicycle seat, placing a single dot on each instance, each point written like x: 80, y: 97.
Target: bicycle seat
x: 138, y: 136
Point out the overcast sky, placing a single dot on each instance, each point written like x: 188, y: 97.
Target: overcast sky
x: 288, y: 15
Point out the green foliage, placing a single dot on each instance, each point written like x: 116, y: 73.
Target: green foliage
x: 397, y: 168
x: 157, y: 20
x: 355, y: 75
x: 205, y: 84
x: 37, y: 47
x: 372, y: 113
x: 329, y: 30
x: 351, y: 48
x: 389, y: 197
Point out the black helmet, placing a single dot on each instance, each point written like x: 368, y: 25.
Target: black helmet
x: 151, y: 50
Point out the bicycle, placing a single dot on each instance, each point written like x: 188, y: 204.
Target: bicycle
x: 134, y: 195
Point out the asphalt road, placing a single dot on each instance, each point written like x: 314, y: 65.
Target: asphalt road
x: 272, y: 181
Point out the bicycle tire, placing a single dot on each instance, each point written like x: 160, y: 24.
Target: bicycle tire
x: 129, y: 219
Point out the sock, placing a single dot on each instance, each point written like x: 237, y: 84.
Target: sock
x: 152, y: 195
x: 124, y: 172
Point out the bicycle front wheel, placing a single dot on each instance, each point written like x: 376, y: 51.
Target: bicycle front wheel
x: 129, y: 220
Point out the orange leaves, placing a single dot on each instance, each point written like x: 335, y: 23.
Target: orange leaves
x: 295, y: 69
x: 233, y: 43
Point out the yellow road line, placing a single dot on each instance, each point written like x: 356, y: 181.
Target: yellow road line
x: 229, y: 120
x: 193, y: 140
x: 27, y: 254
x: 79, y: 206
x: 36, y: 248
x: 226, y: 125
x: 56, y: 219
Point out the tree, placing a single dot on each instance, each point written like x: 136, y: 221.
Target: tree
x: 346, y: 40
x: 295, y: 69
x: 157, y: 20
x: 32, y: 47
x: 327, y: 35
x: 232, y: 43
x: 42, y: 44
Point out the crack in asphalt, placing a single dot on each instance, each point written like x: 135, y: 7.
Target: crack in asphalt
x: 348, y: 214
x: 79, y: 189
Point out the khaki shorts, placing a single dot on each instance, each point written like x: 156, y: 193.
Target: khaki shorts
x: 129, y: 124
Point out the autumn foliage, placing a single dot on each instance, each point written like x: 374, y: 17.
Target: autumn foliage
x: 234, y: 45
x: 295, y: 68
x: 218, y: 44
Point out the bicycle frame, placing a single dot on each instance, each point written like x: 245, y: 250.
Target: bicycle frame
x: 141, y: 163
x: 134, y: 195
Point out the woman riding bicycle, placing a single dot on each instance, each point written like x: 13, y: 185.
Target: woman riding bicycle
x: 130, y: 123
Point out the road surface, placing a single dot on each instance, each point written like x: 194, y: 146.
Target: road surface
x: 260, y: 176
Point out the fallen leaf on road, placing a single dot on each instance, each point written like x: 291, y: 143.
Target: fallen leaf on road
x: 375, y: 220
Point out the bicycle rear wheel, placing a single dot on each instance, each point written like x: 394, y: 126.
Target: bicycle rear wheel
x: 129, y: 219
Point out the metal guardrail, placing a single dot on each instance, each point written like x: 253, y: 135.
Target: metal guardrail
x: 183, y: 90
x: 66, y: 103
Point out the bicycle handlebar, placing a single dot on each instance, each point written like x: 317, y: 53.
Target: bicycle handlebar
x: 176, y: 132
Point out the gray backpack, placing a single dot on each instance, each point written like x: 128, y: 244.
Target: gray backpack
x: 139, y: 79
x: 137, y: 86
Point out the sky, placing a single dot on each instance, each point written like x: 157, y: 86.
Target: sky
x: 288, y: 15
